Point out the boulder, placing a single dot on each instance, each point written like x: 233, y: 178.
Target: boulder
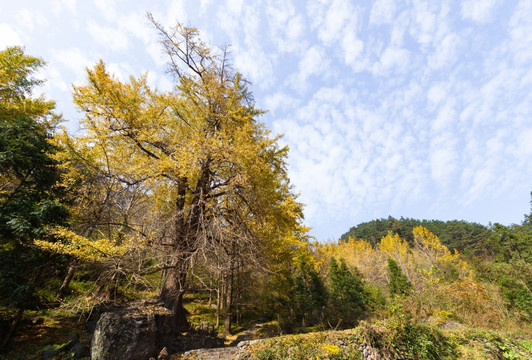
x: 137, y: 331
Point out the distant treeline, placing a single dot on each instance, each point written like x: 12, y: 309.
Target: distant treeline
x: 455, y: 234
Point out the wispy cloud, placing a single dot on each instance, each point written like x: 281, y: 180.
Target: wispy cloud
x: 32, y: 19
x: 108, y: 37
x: 389, y: 107
x: 479, y: 11
x: 382, y: 12
x: 9, y: 36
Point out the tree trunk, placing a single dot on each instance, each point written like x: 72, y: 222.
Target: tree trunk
x: 228, y: 303
x: 187, y: 223
x: 172, y: 296
x: 218, y: 304
x: 65, y: 286
x: 210, y: 291
x: 13, y: 327
x: 238, y: 295
x: 175, y: 282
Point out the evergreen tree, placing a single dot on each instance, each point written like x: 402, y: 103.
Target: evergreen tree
x: 348, y: 298
x: 512, y: 265
x: 398, y: 283
x: 29, y: 197
x: 309, y: 295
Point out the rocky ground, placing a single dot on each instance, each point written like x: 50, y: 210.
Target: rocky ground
x: 234, y: 351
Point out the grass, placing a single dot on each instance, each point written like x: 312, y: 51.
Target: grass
x: 419, y: 342
x: 199, y: 310
x: 40, y: 329
x: 482, y: 344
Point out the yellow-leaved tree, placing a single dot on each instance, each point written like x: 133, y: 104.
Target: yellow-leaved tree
x: 212, y: 178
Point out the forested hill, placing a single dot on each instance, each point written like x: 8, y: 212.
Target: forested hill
x: 455, y: 234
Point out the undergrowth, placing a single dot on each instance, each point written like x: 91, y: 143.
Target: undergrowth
x: 397, y: 337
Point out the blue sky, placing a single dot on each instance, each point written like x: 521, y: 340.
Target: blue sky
x: 413, y: 108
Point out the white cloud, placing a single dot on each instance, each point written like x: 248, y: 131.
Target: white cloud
x: 295, y: 27
x: 155, y: 52
x: 437, y: 93
x: 235, y: 7
x: 174, y: 13
x: 392, y: 58
x: 446, y: 53
x: 443, y: 158
x: 137, y: 24
x: 524, y: 143
x: 106, y: 8
x: 481, y: 181
x: 354, y: 152
x: 58, y: 6
x: 32, y: 19
x: 400, y: 27
x: 110, y: 38
x: 205, y: 5
x: 520, y: 30
x: 9, y: 36
x: 446, y: 117
x: 255, y: 65
x: 279, y: 13
x: 287, y: 28
x: 226, y: 22
x: 382, y: 12
x: 423, y: 23
x: 353, y: 48
x: 54, y: 79
x: 280, y: 101
x: 70, y: 5
x: 244, y: 26
x: 121, y: 70
x: 479, y: 11
x: 251, y: 26
x: 73, y: 59
x: 336, y: 17
x: 313, y: 62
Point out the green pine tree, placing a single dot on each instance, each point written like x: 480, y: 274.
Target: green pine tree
x: 29, y: 197
x: 398, y: 283
x: 348, y: 296
x: 309, y: 294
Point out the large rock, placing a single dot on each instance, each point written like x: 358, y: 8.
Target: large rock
x: 137, y: 331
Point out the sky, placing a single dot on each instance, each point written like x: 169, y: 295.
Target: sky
x: 420, y: 109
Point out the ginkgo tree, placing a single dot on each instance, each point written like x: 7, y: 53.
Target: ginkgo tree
x: 214, y: 177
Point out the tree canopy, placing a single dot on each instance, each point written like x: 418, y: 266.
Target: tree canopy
x: 210, y: 173
x: 30, y: 200
x: 455, y: 234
